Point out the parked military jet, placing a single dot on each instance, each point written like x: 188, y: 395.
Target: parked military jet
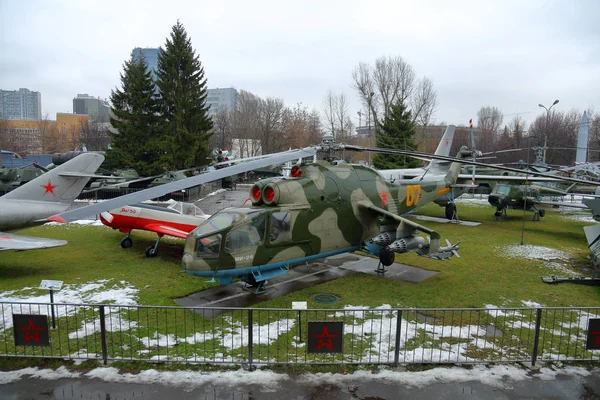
x: 41, y: 197
x: 522, y: 197
x: 178, y: 219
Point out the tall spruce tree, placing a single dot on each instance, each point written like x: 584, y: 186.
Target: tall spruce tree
x: 396, y: 132
x: 134, y: 118
x: 182, y: 88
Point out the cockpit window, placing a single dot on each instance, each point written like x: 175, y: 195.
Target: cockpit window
x: 186, y: 209
x: 225, y: 219
x: 208, y: 246
x: 280, y: 230
x: 503, y: 189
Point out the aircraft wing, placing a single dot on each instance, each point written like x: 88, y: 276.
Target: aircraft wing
x: 167, y: 230
x: 151, y: 193
x: 9, y: 241
x: 80, y: 175
x: 562, y: 204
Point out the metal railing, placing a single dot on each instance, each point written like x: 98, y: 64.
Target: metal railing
x: 259, y: 336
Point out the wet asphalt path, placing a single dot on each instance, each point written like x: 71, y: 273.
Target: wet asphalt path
x: 563, y: 387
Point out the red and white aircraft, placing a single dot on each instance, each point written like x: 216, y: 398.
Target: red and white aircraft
x: 176, y: 220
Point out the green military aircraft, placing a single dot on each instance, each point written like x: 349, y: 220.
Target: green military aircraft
x: 523, y: 197
x: 326, y: 207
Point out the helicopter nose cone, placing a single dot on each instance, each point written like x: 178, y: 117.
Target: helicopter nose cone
x: 187, y: 261
x: 191, y: 263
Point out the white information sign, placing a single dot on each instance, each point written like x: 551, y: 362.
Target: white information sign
x: 299, y: 305
x: 51, y: 285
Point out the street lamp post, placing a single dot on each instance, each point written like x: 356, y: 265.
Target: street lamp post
x: 547, y: 123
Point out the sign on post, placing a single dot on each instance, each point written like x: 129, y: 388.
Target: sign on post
x: 51, y: 285
x: 299, y: 305
x: 325, y: 337
x: 31, y: 330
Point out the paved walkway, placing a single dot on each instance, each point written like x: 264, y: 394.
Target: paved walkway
x: 323, y: 387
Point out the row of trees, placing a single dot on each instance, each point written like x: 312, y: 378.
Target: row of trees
x: 264, y: 125
x: 510, y: 140
x: 45, y: 136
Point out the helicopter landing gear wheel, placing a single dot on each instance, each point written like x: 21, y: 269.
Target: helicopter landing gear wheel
x: 451, y: 211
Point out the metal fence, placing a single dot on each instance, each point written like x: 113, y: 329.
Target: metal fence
x: 259, y: 336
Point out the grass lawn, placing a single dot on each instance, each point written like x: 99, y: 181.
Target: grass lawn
x: 488, y: 273
x: 485, y: 273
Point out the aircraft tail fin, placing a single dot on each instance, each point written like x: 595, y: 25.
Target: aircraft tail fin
x: 62, y: 184
x: 443, y: 149
x: 445, y: 144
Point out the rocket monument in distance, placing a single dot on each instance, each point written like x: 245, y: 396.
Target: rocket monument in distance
x: 582, y: 140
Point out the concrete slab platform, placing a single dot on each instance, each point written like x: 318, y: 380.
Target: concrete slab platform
x: 443, y: 220
x: 298, y: 278
x: 368, y: 265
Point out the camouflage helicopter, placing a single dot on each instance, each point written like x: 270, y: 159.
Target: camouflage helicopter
x: 326, y: 207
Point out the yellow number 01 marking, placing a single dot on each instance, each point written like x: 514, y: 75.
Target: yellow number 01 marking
x: 413, y: 194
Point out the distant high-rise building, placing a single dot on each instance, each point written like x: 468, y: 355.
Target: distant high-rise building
x: 20, y: 104
x: 151, y: 57
x: 96, y: 109
x: 221, y: 98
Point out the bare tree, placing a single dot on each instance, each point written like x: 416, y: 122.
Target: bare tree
x: 94, y: 135
x: 559, y: 130
x: 345, y: 125
x: 8, y: 139
x: 271, y: 124
x: 365, y: 85
x: 489, y: 119
x: 47, y: 134
x: 315, y: 128
x: 392, y: 79
x: 516, y: 127
x: 222, y: 128
x: 593, y: 135
x: 330, y: 108
x: 246, y: 124
x: 424, y: 102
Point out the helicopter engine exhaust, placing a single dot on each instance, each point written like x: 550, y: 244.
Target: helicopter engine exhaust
x: 406, y: 244
x: 385, y: 238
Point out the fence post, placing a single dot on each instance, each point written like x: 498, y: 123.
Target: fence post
x: 536, y: 338
x: 397, y: 343
x: 103, y: 335
x: 250, y: 339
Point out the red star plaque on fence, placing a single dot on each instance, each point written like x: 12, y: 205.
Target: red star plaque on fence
x: 31, y: 330
x: 593, y: 336
x: 325, y: 337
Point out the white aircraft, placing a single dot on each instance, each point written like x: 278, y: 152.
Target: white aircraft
x: 46, y: 195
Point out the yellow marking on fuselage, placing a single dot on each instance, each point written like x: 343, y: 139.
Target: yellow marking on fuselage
x: 443, y: 191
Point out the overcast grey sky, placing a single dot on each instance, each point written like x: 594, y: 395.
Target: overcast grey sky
x: 509, y: 54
